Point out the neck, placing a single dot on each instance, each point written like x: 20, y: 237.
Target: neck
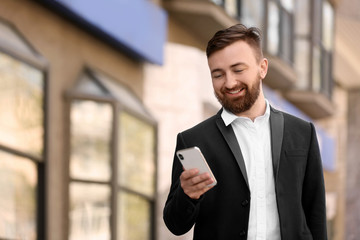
x: 258, y: 109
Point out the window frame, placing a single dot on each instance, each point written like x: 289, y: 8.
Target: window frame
x: 317, y: 51
x: 261, y: 22
x: 282, y: 11
x: 317, y: 41
x: 36, y: 61
x: 113, y: 183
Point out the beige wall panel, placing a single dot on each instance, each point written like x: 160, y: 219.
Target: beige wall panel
x: 178, y: 33
x: 68, y: 49
x: 335, y: 182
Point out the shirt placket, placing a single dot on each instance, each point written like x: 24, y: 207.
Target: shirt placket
x: 260, y: 185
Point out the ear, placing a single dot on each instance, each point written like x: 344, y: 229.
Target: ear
x: 263, y: 68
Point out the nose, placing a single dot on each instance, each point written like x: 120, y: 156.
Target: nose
x: 230, y: 81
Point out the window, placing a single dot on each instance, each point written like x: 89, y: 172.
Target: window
x: 314, y: 44
x: 21, y: 102
x: 248, y: 12
x: 91, y: 153
x: 326, y: 47
x: 232, y: 7
x: 273, y: 29
x: 303, y: 43
x: 90, y: 159
x: 18, y: 182
x: 22, y: 133
x: 252, y: 12
x: 111, y: 162
x: 219, y: 2
x: 280, y: 29
x: 136, y: 182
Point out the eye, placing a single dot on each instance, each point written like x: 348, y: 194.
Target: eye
x: 218, y: 75
x: 238, y: 70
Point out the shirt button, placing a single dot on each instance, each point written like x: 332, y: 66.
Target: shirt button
x: 245, y: 203
x: 242, y: 233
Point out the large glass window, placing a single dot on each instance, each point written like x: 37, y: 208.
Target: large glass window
x: 326, y: 46
x: 18, y: 181
x: 303, y: 44
x: 90, y: 209
x: 273, y: 29
x: 90, y: 150
x: 136, y: 165
x: 252, y: 12
x: 136, y: 177
x: 218, y: 2
x: 90, y: 169
x: 112, y: 162
x: 248, y: 12
x: 316, y: 69
x: 134, y: 217
x: 328, y: 26
x: 314, y: 44
x: 21, y: 106
x: 302, y: 59
x: 21, y: 137
x: 280, y: 29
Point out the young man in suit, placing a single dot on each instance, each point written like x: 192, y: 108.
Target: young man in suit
x: 266, y: 162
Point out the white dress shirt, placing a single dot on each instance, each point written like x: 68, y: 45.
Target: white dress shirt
x: 255, y: 144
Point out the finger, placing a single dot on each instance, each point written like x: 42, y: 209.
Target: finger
x: 196, y: 184
x: 187, y: 174
x: 199, y: 179
x: 201, y: 182
x: 196, y: 194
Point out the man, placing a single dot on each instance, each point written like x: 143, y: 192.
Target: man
x: 266, y: 162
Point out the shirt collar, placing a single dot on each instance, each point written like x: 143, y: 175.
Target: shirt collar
x: 229, y: 117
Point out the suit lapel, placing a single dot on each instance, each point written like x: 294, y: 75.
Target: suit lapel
x: 231, y: 140
x: 276, y: 131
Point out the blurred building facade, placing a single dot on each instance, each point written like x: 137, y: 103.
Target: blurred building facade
x: 347, y: 74
x: 93, y: 94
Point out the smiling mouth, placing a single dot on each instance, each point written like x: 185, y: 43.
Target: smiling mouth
x: 235, y: 91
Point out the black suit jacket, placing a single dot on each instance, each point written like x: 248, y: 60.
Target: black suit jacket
x: 223, y: 212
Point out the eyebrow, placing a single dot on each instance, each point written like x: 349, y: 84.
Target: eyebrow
x: 238, y: 64
x: 232, y: 66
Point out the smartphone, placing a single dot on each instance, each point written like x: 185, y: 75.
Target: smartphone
x: 193, y: 158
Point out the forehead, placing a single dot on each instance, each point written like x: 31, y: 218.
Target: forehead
x: 239, y: 51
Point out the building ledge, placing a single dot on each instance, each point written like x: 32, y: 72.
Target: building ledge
x: 202, y: 17
x: 315, y: 105
x: 280, y: 75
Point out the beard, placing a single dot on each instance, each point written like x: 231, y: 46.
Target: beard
x: 243, y: 103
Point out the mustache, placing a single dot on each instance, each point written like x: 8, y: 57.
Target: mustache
x: 236, y: 87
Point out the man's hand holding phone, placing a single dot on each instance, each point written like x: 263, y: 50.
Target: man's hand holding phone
x: 195, y: 185
x: 197, y: 177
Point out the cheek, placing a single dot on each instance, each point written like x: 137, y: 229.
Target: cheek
x: 217, y: 85
x: 252, y: 77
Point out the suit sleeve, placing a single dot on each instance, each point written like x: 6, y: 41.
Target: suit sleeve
x: 313, y: 199
x: 180, y: 211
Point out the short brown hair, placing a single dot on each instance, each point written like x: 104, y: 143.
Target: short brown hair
x: 225, y: 37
